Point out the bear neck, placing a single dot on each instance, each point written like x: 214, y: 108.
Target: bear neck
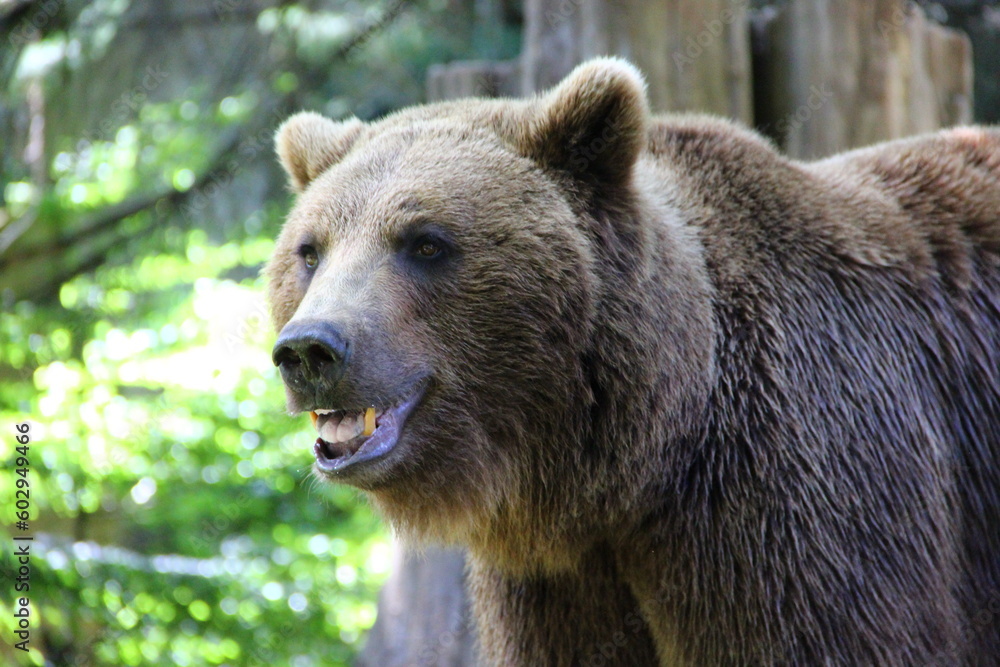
x: 646, y: 380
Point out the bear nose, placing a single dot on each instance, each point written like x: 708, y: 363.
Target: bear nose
x: 309, y: 353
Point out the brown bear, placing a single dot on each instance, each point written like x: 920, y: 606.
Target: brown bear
x: 685, y: 401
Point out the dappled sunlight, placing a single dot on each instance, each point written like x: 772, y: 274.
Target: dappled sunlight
x: 174, y: 514
x: 179, y: 416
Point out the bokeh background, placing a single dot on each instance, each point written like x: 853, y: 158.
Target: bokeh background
x: 173, y: 515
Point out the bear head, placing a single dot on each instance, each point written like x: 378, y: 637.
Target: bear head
x: 438, y: 286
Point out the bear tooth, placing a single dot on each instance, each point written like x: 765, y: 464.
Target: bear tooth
x: 329, y: 431
x: 323, y: 412
x: 346, y: 429
x: 369, y: 420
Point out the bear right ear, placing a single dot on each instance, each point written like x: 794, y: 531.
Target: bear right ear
x: 593, y: 124
x: 308, y: 144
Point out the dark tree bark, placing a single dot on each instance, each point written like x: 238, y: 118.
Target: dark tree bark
x: 423, y: 614
x: 834, y: 76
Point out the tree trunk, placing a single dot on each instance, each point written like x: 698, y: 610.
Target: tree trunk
x: 695, y: 53
x: 423, y: 613
x: 837, y: 75
x: 681, y: 46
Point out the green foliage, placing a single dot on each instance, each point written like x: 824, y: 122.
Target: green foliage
x: 158, y: 427
x: 174, y: 515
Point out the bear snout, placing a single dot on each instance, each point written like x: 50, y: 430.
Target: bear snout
x: 311, y: 354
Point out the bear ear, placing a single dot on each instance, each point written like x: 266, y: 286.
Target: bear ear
x: 308, y: 144
x: 593, y: 124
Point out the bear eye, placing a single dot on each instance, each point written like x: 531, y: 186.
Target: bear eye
x: 309, y: 256
x: 427, y: 247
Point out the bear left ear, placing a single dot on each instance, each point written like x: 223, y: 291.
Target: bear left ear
x: 593, y: 124
x: 308, y: 144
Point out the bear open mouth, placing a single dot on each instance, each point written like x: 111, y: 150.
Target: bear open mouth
x: 349, y: 437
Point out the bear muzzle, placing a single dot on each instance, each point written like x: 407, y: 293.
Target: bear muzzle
x: 313, y: 357
x: 311, y: 354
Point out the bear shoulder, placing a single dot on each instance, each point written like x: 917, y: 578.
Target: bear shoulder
x: 946, y: 183
x: 927, y: 204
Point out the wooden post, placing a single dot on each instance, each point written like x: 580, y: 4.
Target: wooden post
x: 695, y: 53
x: 473, y: 78
x: 424, y: 616
x: 837, y: 75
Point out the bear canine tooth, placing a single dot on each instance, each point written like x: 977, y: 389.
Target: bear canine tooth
x: 369, y: 422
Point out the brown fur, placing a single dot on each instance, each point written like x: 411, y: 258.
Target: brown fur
x: 690, y: 401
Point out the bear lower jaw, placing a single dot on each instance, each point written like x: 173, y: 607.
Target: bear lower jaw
x: 346, y: 457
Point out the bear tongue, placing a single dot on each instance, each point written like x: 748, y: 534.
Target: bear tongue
x: 337, y: 450
x: 341, y: 429
x: 338, y: 435
x: 343, y: 434
x: 350, y: 427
